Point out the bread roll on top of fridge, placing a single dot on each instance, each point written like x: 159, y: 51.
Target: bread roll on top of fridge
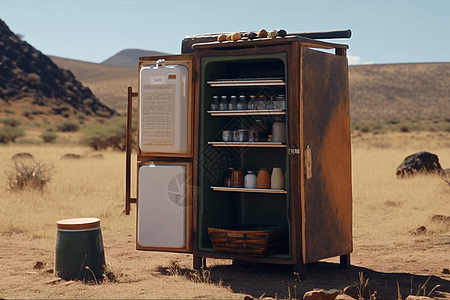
x: 222, y: 38
x: 273, y: 33
x: 236, y: 36
x: 262, y: 33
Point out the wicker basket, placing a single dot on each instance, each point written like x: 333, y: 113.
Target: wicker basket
x: 249, y: 240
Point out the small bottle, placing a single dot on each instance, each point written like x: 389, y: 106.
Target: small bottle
x: 215, y: 103
x: 271, y: 103
x: 242, y: 104
x: 252, y: 103
x: 277, y: 179
x: 232, y: 104
x: 250, y: 180
x: 224, y: 103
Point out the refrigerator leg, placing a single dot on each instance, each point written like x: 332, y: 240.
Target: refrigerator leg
x: 199, y: 262
x: 344, y: 261
x: 300, y: 270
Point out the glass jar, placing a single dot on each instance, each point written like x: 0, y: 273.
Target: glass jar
x: 261, y: 102
x: 251, y: 103
x: 228, y: 179
x: 258, y: 132
x: 242, y: 104
x: 215, y: 103
x: 223, y: 103
x: 232, y: 104
x: 280, y: 102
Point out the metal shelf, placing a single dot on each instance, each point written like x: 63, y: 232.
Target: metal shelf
x: 247, y: 82
x: 247, y: 190
x: 223, y: 113
x: 248, y: 144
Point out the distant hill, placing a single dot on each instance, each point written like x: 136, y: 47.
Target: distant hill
x: 26, y: 73
x: 108, y: 83
x: 419, y: 90
x: 129, y: 57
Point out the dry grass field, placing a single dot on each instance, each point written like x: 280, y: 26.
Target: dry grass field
x: 386, y: 213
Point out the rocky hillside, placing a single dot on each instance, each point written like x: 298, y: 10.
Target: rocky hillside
x: 26, y: 73
x: 129, y: 57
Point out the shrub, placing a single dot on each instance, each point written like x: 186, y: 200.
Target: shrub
x: 28, y: 175
x: 65, y: 114
x: 27, y: 113
x: 404, y: 129
x: 67, y: 126
x: 10, y: 122
x: 88, y: 111
x: 49, y: 137
x: 110, y: 134
x: 393, y: 121
x: 10, y: 134
x: 103, y: 113
x: 34, y: 76
x: 9, y: 111
x: 81, y: 115
x: 88, y: 101
x: 365, y: 129
x: 37, y: 112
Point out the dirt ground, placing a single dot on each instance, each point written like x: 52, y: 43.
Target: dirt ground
x: 142, y: 274
x: 408, y: 264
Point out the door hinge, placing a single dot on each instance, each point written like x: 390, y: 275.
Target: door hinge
x: 293, y: 151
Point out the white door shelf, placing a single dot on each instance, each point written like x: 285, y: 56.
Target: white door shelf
x: 248, y: 144
x: 247, y: 190
x: 247, y: 82
x: 265, y: 112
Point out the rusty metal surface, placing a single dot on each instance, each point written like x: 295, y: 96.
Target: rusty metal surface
x: 327, y: 205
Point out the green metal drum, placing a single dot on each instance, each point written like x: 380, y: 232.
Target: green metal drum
x: 79, y: 250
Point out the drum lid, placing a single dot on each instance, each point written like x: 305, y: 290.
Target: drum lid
x: 78, y: 224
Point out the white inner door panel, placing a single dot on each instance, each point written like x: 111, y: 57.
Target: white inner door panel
x: 163, y: 106
x: 162, y: 206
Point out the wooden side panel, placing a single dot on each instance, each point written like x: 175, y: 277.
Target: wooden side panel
x: 327, y: 195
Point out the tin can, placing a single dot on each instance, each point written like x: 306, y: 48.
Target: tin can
x: 235, y: 136
x: 238, y: 178
x: 227, y: 136
x: 242, y: 135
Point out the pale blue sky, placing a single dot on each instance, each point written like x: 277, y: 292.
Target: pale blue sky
x: 391, y: 31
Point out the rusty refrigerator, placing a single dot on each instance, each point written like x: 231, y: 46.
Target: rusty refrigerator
x: 183, y: 203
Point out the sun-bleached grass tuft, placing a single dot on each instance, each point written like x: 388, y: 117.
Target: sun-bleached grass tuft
x: 28, y: 175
